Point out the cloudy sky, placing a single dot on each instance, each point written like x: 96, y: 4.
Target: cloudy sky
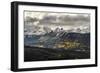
x: 61, y: 20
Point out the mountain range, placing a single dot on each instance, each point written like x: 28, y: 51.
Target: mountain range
x: 53, y: 38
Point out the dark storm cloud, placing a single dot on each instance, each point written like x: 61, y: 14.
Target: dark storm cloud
x: 48, y: 19
x: 30, y: 19
x: 78, y: 19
